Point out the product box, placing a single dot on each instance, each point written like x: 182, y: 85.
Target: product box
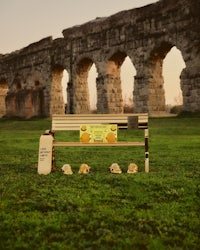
x: 98, y: 133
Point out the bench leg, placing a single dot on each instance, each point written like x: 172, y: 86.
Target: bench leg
x: 146, y: 135
x: 147, y: 165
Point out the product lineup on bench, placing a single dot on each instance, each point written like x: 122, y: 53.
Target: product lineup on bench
x: 94, y: 130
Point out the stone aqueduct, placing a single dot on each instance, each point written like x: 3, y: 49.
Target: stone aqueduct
x: 30, y: 78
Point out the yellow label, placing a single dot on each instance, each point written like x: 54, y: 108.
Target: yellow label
x: 98, y: 133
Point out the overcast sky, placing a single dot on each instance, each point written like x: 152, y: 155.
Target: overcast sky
x: 26, y: 21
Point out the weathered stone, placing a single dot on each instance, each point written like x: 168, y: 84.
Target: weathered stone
x: 30, y: 78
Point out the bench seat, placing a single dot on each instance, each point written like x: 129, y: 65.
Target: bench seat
x: 73, y: 121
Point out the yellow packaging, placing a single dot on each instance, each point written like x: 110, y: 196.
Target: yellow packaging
x: 98, y: 133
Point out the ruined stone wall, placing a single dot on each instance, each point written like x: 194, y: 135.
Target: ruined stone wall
x: 31, y: 77
x: 27, y: 73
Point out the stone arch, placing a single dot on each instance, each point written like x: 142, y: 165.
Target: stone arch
x: 114, y: 83
x: 26, y: 100
x: 125, y: 73
x: 156, y: 92
x: 156, y: 96
x: 80, y: 86
x: 115, y: 62
x: 57, y: 105
x: 3, y: 93
x: 139, y: 31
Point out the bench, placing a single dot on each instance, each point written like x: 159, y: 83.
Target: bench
x: 124, y: 121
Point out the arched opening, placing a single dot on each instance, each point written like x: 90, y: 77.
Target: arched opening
x: 16, y: 85
x: 120, y: 83
x: 128, y: 72
x: 3, y: 93
x: 113, y: 83
x: 164, y: 82
x: 173, y: 65
x: 81, y: 87
x: 57, y: 105
x: 65, y: 80
x: 92, y: 76
x: 37, y: 84
x: 16, y: 103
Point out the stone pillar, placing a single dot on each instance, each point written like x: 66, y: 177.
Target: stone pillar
x: 79, y: 70
x: 10, y: 104
x: 140, y: 94
x: 156, y: 102
x: 20, y: 103
x: 81, y: 103
x: 3, y: 93
x: 102, y: 102
x: 46, y: 100
x: 114, y: 94
x: 28, y: 105
x: 190, y: 85
x: 149, y: 94
x: 70, y: 99
x: 57, y: 103
x: 109, y: 94
x: 38, y: 102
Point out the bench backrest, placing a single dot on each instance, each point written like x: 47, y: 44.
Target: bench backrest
x: 124, y: 121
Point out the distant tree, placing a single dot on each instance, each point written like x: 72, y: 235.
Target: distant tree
x: 177, y: 108
x: 128, y: 105
x: 178, y: 100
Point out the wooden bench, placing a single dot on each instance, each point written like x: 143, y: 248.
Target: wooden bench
x: 124, y: 121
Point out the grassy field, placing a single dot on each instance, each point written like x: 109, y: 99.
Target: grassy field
x: 158, y: 210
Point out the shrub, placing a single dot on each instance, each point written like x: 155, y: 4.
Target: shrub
x: 176, y: 109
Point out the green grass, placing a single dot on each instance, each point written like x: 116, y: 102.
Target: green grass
x: 158, y: 210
